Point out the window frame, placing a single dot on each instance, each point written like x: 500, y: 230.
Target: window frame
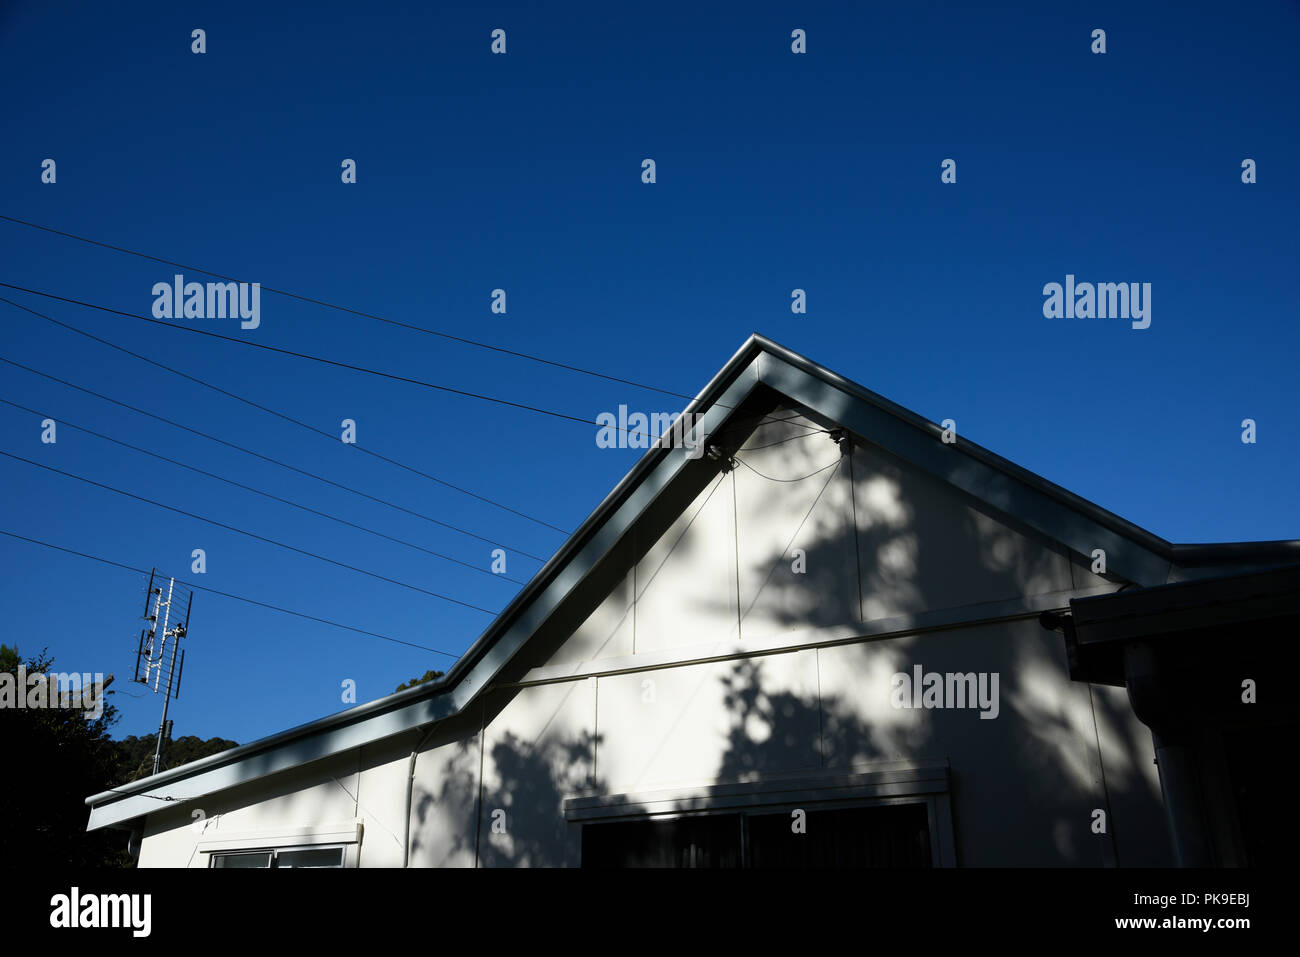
x: 215, y: 842
x: 214, y: 856
x: 896, y: 783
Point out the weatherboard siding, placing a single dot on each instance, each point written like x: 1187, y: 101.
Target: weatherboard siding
x: 1023, y: 785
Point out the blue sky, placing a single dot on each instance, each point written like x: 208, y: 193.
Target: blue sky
x: 775, y: 171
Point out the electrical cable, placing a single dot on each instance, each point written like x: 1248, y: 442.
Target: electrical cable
x: 267, y: 409
x: 245, y: 532
x: 275, y: 498
x: 773, y: 479
x: 225, y: 594
x: 355, y: 312
x: 267, y: 458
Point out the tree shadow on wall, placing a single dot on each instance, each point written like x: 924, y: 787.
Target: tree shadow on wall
x: 890, y: 547
x: 1026, y: 784
x: 516, y: 818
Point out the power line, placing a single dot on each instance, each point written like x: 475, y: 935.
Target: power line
x: 142, y: 794
x: 423, y: 383
x: 799, y: 479
x: 263, y: 408
x: 224, y: 594
x: 809, y: 430
x: 355, y: 312
x: 267, y: 458
x: 253, y: 535
x: 248, y: 488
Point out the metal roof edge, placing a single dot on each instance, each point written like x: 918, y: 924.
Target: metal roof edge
x: 1225, y: 589
x: 975, y: 450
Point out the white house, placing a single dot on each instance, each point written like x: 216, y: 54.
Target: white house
x: 841, y: 636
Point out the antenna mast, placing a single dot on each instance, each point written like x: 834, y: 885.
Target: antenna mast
x: 158, y: 648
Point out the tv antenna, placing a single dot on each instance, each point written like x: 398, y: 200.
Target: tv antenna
x: 159, y: 643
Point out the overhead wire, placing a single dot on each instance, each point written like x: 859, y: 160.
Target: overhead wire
x: 355, y: 312
x: 257, y: 405
x: 273, y: 461
x: 424, y: 383
x: 245, y: 532
x: 773, y: 479
x: 234, y: 597
x: 336, y: 363
x: 256, y: 491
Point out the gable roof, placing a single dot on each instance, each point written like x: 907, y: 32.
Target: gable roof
x: 760, y: 372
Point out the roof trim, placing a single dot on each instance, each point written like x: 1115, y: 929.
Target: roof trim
x: 1181, y: 607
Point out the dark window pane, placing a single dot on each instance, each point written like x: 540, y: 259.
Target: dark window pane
x: 895, y: 835
x: 310, y: 857
x: 255, y: 859
x: 695, y: 841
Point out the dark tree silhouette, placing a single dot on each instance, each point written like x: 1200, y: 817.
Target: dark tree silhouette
x: 427, y: 676
x: 56, y: 756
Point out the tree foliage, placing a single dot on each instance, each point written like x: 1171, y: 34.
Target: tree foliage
x: 428, y: 676
x: 135, y: 754
x: 60, y: 756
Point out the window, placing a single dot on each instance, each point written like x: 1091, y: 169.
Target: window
x: 880, y: 835
x: 327, y: 844
x: 281, y: 857
x: 693, y: 841
x: 893, y: 814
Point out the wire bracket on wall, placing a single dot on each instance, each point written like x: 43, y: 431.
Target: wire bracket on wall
x: 841, y: 438
x: 717, y: 454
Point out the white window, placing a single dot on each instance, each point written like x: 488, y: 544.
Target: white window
x: 313, y: 845
x: 281, y: 857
